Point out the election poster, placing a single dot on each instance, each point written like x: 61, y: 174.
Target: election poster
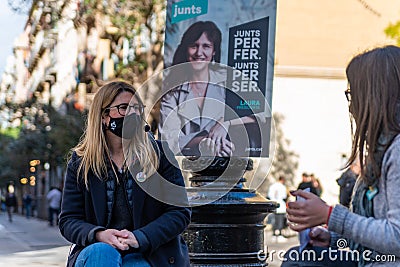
x: 217, y: 84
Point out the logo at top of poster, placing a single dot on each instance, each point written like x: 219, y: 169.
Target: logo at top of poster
x: 188, y: 9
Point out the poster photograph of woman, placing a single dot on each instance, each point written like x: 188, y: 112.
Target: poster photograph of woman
x: 217, y: 86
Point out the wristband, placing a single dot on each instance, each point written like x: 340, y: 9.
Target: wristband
x: 329, y: 214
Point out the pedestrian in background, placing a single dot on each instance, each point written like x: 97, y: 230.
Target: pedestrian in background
x: 27, y: 201
x: 3, y: 201
x: 54, y: 202
x: 371, y: 226
x: 278, y: 193
x: 316, y: 184
x: 124, y: 200
x: 306, y: 182
x: 346, y: 183
x: 11, y: 204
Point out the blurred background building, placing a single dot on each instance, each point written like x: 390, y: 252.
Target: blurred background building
x: 315, y: 41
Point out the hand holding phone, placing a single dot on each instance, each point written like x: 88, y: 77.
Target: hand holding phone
x: 304, y: 237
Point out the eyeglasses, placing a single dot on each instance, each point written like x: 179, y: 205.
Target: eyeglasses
x: 348, y: 94
x: 124, y: 108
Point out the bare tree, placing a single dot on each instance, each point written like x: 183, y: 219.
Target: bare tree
x: 285, y: 161
x: 140, y: 23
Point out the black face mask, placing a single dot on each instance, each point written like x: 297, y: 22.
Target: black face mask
x: 132, y: 123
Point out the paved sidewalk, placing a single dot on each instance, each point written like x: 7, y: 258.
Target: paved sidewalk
x: 278, y: 246
x: 35, y: 244
x: 30, y: 243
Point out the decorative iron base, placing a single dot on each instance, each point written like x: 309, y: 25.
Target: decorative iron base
x: 227, y: 227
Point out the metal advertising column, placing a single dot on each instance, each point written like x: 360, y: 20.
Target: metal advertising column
x: 215, y: 115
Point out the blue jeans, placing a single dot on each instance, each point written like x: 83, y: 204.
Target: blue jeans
x: 28, y: 210
x: 102, y: 254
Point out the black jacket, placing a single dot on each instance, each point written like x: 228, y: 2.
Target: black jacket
x: 346, y: 183
x: 158, y: 225
x: 11, y: 200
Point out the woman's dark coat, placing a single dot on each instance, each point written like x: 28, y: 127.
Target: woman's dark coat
x: 157, y: 225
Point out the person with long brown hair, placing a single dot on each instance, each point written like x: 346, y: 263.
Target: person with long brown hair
x: 116, y: 208
x: 371, y: 226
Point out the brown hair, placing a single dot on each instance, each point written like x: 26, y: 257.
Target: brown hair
x: 374, y: 82
x: 192, y: 34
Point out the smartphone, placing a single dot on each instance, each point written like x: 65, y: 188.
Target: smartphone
x: 304, y: 237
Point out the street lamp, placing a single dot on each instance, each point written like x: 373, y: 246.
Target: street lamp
x: 23, y: 180
x: 47, y: 166
x: 46, y: 186
x: 32, y: 180
x: 34, y: 162
x: 10, y: 187
x: 33, y: 169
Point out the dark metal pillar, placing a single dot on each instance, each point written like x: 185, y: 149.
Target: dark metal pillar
x: 227, y: 226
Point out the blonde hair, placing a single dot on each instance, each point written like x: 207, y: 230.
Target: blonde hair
x: 93, y: 145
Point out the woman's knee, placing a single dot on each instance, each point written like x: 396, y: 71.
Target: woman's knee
x: 135, y: 260
x: 103, y: 248
x: 98, y: 251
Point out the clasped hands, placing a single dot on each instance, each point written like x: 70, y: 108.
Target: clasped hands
x: 216, y: 142
x: 121, y: 240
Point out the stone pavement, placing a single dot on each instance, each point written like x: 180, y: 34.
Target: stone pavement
x: 35, y: 244
x: 278, y: 246
x: 30, y: 243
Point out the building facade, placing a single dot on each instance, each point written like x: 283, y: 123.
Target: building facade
x: 315, y: 40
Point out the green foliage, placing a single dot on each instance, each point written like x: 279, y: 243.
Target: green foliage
x: 393, y: 32
x: 136, y: 21
x: 45, y: 134
x: 10, y: 132
x: 65, y: 134
x: 285, y: 161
